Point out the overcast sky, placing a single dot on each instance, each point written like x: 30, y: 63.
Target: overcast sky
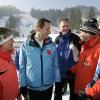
x: 26, y: 5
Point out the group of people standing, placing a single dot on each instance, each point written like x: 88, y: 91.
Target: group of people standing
x: 44, y: 64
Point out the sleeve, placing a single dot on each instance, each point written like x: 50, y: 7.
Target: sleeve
x: 76, y: 41
x: 74, y: 68
x: 94, y: 91
x: 57, y: 69
x: 97, y: 72
x: 57, y: 40
x: 17, y: 59
x: 75, y: 52
x: 1, y: 90
x: 22, y: 64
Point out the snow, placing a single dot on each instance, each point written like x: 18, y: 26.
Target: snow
x: 26, y: 24
x: 53, y: 36
x: 3, y: 22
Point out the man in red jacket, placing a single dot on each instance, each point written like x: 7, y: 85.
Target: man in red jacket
x: 89, y: 56
x: 92, y: 91
x: 9, y: 87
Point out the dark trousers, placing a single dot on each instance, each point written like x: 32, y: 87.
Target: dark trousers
x: 60, y: 85
x: 40, y: 95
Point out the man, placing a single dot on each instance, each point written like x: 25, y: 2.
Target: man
x: 92, y: 90
x: 9, y: 87
x: 38, y: 63
x: 89, y: 56
x: 68, y: 52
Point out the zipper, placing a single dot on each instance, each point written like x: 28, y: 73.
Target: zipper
x: 41, y: 66
x: 41, y: 56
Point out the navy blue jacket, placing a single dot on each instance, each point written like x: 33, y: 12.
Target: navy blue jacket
x: 68, y: 47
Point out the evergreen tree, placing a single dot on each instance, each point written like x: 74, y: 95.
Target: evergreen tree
x: 13, y: 23
x: 92, y: 13
x: 75, y: 18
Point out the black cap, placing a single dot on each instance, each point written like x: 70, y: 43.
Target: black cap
x: 90, y: 26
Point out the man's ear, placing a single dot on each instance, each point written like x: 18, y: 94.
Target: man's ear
x: 38, y: 29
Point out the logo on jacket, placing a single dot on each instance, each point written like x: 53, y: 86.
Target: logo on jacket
x: 49, y: 52
x: 86, y: 63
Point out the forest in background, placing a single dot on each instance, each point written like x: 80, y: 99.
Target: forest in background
x: 75, y: 14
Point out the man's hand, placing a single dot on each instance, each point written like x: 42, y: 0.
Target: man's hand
x: 82, y: 94
x: 19, y: 98
x: 23, y: 91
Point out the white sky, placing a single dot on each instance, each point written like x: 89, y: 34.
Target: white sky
x: 26, y: 5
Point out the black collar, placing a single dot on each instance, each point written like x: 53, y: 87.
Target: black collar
x: 33, y: 42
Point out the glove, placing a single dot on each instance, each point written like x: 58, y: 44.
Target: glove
x: 82, y: 94
x: 90, y: 84
x: 23, y: 91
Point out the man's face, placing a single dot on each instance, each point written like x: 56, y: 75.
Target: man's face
x: 45, y: 31
x: 64, y: 26
x: 84, y: 36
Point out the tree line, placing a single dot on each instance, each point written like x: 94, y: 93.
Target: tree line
x: 75, y: 15
x: 8, y: 10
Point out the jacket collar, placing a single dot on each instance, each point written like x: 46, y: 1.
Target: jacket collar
x: 6, y: 55
x: 92, y: 41
x: 67, y: 34
x: 33, y: 42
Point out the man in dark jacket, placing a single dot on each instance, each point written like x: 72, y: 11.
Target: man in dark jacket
x: 68, y: 52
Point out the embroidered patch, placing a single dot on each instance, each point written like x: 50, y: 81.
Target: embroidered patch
x: 49, y: 52
x: 86, y: 63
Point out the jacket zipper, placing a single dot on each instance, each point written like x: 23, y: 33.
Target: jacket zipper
x: 41, y: 66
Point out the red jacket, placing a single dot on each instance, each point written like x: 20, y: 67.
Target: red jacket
x: 1, y: 91
x: 8, y: 80
x: 85, y: 68
x: 94, y: 91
